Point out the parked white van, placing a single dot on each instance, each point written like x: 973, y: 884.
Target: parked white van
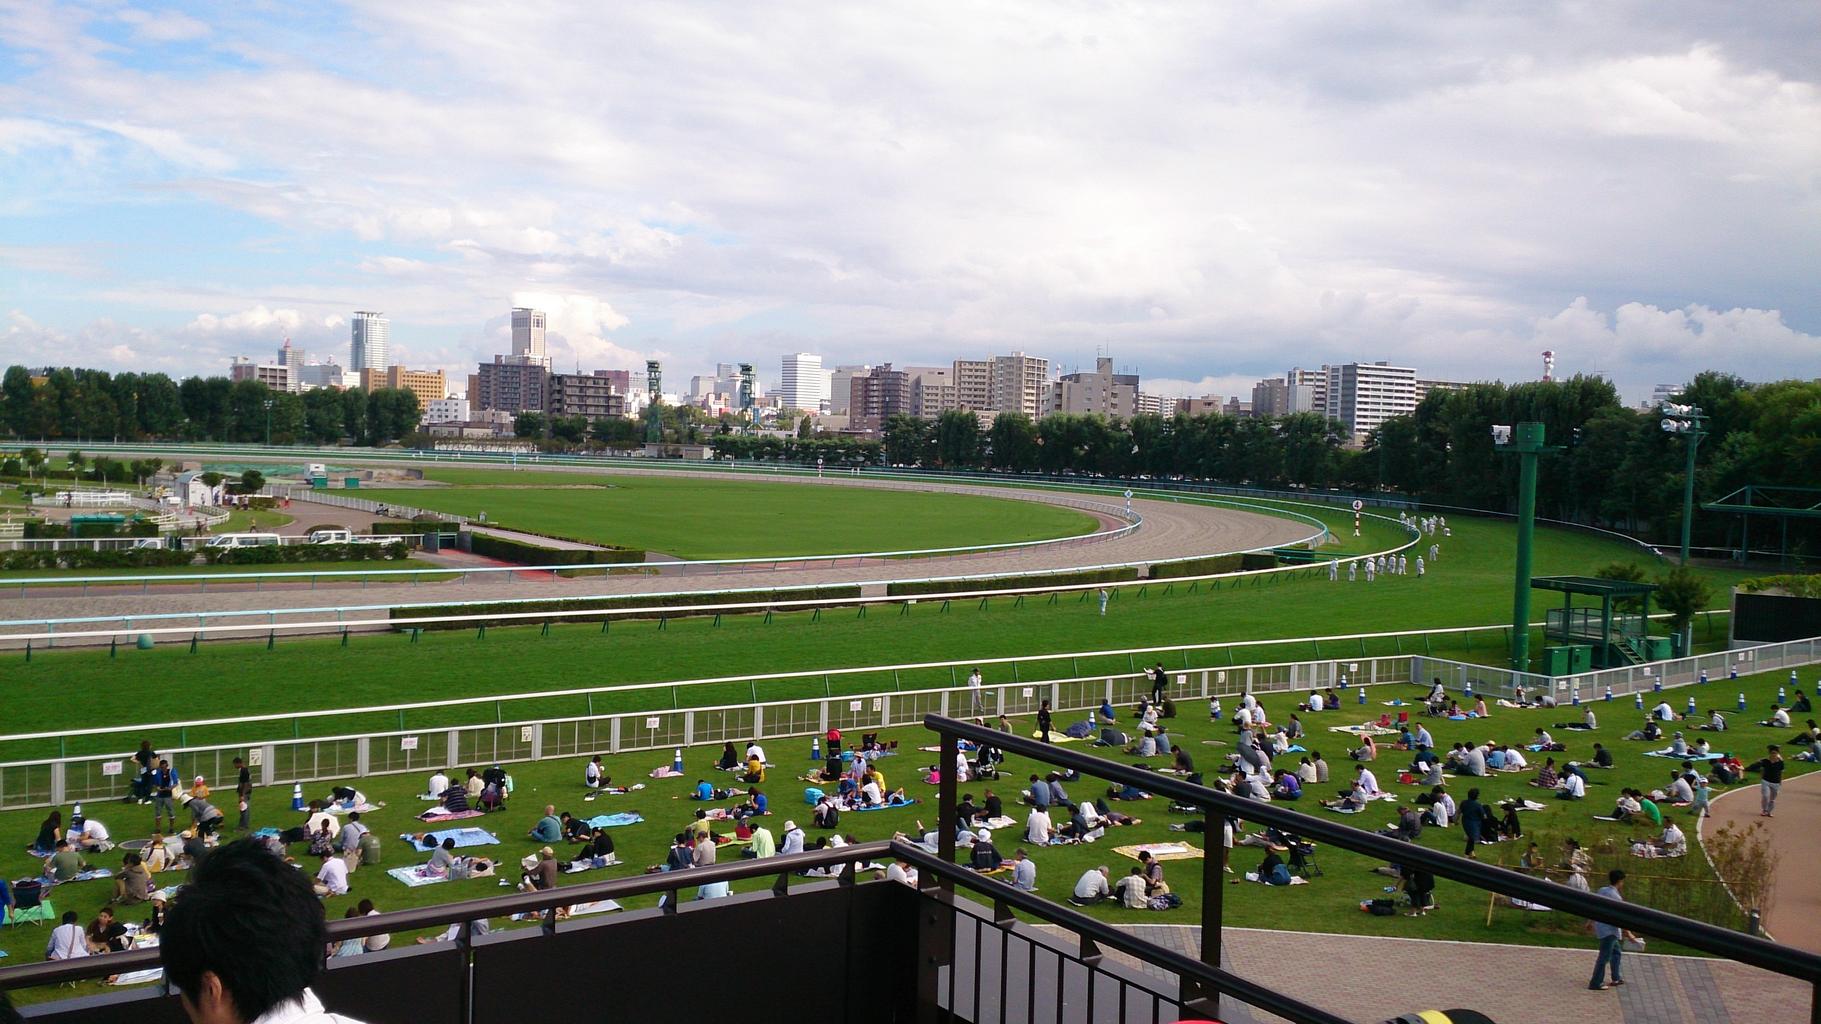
x: 337, y: 535
x: 245, y: 540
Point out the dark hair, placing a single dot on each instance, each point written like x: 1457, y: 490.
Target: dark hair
x: 1615, y: 876
x: 253, y: 921
x: 1474, y: 793
x: 353, y: 815
x: 448, y: 842
x: 69, y: 917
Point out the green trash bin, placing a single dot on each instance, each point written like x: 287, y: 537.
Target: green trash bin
x: 350, y: 482
x: 1580, y: 659
x: 1658, y: 648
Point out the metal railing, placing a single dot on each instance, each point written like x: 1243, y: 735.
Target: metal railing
x: 1217, y: 806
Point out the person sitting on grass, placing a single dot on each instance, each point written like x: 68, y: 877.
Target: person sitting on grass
x: 1602, y: 758
x: 1366, y: 751
x: 1779, y: 719
x: 1574, y: 787
x: 1419, y: 887
x: 1441, y: 807
x: 1716, y: 722
x: 1287, y: 787
x: 1110, y: 818
x: 1680, y: 790
x: 755, y: 770
x: 1092, y: 887
x: 1650, y: 731
x: 549, y: 828
x: 64, y: 864
x: 1407, y: 827
x: 730, y: 758
x: 1671, y: 843
x: 1547, y: 777
x: 1664, y: 713
x: 134, y: 883
x: 446, y: 863
x: 1627, y: 806
x: 1272, y: 870
x: 983, y: 855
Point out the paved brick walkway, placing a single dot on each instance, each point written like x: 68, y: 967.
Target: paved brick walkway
x: 1795, y: 914
x: 1370, y: 979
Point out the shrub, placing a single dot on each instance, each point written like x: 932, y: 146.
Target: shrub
x: 1197, y: 567
x: 274, y: 554
x: 1059, y: 579
x: 521, y: 553
x: 1794, y: 585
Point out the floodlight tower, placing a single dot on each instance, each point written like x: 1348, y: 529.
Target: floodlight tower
x: 654, y: 397
x: 1688, y: 421
x: 748, y: 407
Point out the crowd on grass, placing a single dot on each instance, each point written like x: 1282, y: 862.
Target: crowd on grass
x: 731, y: 814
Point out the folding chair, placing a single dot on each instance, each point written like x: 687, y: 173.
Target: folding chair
x: 1302, y: 860
x: 1403, y: 718
x: 27, y: 896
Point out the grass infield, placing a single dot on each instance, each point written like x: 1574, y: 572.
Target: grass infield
x: 695, y: 518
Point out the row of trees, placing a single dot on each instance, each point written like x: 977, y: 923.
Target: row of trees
x: 77, y: 403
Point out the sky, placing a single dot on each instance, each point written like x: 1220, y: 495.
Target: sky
x: 1207, y: 192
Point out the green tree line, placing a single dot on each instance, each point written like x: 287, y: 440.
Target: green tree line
x: 97, y: 405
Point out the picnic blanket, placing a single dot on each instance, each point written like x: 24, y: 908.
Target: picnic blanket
x: 415, y: 875
x: 1252, y: 876
x: 665, y: 773
x: 463, y: 837
x: 1397, y: 703
x: 266, y: 833
x: 437, y: 814
x: 1363, y: 730
x: 1690, y: 756
x: 344, y: 808
x: 91, y: 873
x: 1003, y: 821
x: 615, y: 820
x: 1056, y: 736
x: 137, y: 977
x: 1161, y: 851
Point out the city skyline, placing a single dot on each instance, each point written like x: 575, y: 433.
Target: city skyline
x: 1200, y: 194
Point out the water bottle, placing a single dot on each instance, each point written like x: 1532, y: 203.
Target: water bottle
x: 1609, y: 695
x: 1362, y: 695
x: 1741, y: 701
x: 676, y: 760
x: 297, y: 803
x: 815, y: 748
x: 1637, y: 701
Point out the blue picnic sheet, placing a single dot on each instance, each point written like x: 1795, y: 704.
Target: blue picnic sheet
x: 462, y: 836
x: 611, y: 820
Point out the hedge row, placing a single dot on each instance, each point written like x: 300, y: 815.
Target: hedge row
x: 1208, y: 566
x: 662, y: 606
x: 414, y: 527
x: 273, y: 554
x: 39, y: 529
x: 521, y: 553
x: 147, y: 558
x: 1059, y: 579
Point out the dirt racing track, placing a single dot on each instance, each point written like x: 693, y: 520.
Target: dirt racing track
x: 1166, y: 530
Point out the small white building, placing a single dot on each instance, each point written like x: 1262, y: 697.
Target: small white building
x: 193, y: 492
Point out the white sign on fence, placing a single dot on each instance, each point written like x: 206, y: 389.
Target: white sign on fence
x: 878, y: 703
x: 110, y: 767
x: 1030, y: 691
x: 524, y: 734
x: 407, y: 743
x: 854, y: 705
x: 256, y: 756
x: 652, y: 723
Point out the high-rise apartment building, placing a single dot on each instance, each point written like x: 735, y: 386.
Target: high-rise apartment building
x: 446, y: 410
x: 881, y: 394
x: 1206, y: 405
x: 292, y: 357
x: 1423, y: 387
x: 1316, y: 381
x: 802, y: 384
x: 1364, y: 395
x: 311, y: 376
x: 272, y: 375
x: 528, y: 335
x: 1019, y: 383
x: 1275, y: 397
x: 1101, y: 391
x: 932, y: 390
x: 427, y: 385
x: 840, y: 387
x: 591, y: 395
x: 973, y: 384
x: 370, y: 341
x: 511, y: 384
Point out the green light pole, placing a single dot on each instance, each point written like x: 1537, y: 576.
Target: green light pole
x: 1526, y: 442
x: 1688, y: 421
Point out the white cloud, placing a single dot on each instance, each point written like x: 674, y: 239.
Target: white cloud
x: 1210, y: 191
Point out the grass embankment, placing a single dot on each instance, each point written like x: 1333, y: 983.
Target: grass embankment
x: 1470, y: 586
x: 697, y: 519
x: 1330, y: 903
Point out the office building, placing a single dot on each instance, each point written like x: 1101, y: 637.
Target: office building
x: 1363, y: 395
x: 1020, y: 383
x: 881, y: 394
x: 1275, y: 397
x: 1423, y: 387
x: 370, y: 344
x: 620, y: 379
x: 802, y: 384
x: 427, y: 385
x: 590, y: 395
x: 1206, y: 405
x: 311, y: 376
x: 1154, y: 405
x: 511, y: 384
x: 932, y: 390
x: 446, y: 410
x: 272, y: 375
x: 292, y: 357
x: 528, y: 335
x: 1100, y: 391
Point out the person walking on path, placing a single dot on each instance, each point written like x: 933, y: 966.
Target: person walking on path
x: 973, y: 690
x: 1770, y: 779
x: 1611, y: 936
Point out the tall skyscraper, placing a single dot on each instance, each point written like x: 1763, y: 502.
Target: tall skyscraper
x: 528, y: 335
x: 802, y: 384
x: 1020, y: 383
x: 372, y: 334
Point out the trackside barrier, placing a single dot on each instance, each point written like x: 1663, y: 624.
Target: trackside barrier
x: 282, y: 761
